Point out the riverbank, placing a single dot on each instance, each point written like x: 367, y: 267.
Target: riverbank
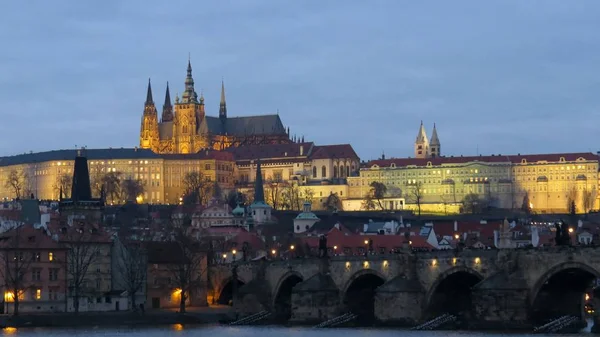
x: 112, y: 319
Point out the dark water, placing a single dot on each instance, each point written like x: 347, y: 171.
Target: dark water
x: 226, y: 331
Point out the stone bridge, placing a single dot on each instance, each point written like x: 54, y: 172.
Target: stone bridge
x: 516, y: 287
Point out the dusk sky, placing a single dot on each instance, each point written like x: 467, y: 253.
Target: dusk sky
x: 495, y: 76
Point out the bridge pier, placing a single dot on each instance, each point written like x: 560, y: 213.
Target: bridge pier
x: 399, y: 302
x: 315, y: 300
x: 501, y: 302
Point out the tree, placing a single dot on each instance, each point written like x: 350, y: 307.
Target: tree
x: 291, y: 197
x: 333, y: 202
x: 415, y: 195
x: 526, y: 205
x: 17, y: 258
x: 235, y: 197
x: 82, y: 252
x: 63, y: 183
x: 273, y: 191
x: 17, y: 182
x: 589, y: 198
x: 189, y: 262
x: 572, y: 199
x: 132, y: 265
x: 111, y: 182
x: 131, y: 189
x: 472, y: 204
x: 377, y: 194
x: 197, y: 188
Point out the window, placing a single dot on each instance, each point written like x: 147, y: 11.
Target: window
x: 323, y: 171
x: 37, y: 256
x: 314, y: 171
x: 50, y: 257
x: 98, y: 284
x: 53, y: 274
x: 36, y: 274
x: 38, y: 294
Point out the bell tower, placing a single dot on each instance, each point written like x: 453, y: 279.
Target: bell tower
x: 422, y: 143
x: 188, y: 113
x: 149, y: 128
x: 435, y: 146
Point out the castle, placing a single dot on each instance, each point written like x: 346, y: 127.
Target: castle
x: 185, y: 127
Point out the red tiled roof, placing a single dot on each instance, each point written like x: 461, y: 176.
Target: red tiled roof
x: 270, y: 151
x: 334, y: 151
x: 252, y: 239
x: 24, y: 234
x: 515, y: 159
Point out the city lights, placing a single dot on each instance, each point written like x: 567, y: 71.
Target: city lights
x: 477, y: 260
x: 433, y: 262
x: 292, y: 247
x: 273, y: 252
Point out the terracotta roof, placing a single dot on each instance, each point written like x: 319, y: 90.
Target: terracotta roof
x: 514, y: 159
x: 28, y: 238
x: 270, y: 151
x: 334, y: 151
x: 244, y: 236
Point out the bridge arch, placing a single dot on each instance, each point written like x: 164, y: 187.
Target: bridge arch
x: 358, y: 294
x: 225, y: 290
x: 451, y: 291
x: 561, y: 291
x: 282, y: 295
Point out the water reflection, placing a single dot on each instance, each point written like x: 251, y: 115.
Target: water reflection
x: 9, y: 331
x: 177, y: 327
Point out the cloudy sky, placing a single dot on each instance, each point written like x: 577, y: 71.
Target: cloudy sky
x: 495, y: 76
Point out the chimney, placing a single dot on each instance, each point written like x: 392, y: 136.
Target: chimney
x: 301, y: 150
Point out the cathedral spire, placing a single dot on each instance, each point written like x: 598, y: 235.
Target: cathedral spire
x: 189, y: 95
x: 422, y: 135
x: 259, y: 192
x: 223, y: 104
x: 149, y: 100
x: 434, y: 144
x: 434, y: 137
x: 422, y: 143
x: 167, y: 113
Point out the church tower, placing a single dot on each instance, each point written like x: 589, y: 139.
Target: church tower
x: 189, y: 112
x: 149, y: 127
x: 167, y: 113
x: 422, y: 143
x: 222, y: 104
x: 434, y: 144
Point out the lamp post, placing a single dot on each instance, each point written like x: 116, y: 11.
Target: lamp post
x: 234, y: 279
x: 292, y: 247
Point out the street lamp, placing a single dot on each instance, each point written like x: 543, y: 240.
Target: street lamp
x: 273, y: 252
x: 366, y: 242
x: 292, y: 247
x: 456, y: 236
x: 571, y: 229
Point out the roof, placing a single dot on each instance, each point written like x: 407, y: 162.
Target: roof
x: 201, y: 155
x: 28, y: 238
x: 508, y: 159
x: 165, y: 130
x: 269, y: 151
x: 333, y: 151
x: 247, y: 125
x: 91, y: 154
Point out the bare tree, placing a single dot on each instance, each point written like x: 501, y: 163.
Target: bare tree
x: 308, y: 194
x: 132, y: 265
x: 17, y: 257
x: 63, y: 183
x: 274, y: 190
x: 572, y: 199
x: 197, y: 188
x: 375, y: 196
x: 17, y: 182
x: 189, y: 262
x: 333, y: 202
x: 472, y: 204
x: 291, y: 197
x: 82, y: 252
x: 526, y: 204
x: 415, y: 195
x: 111, y: 182
x: 131, y: 189
x: 589, y: 198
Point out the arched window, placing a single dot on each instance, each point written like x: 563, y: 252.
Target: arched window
x: 184, y: 129
x: 348, y: 171
x: 314, y: 171
x: 335, y: 171
x: 323, y: 171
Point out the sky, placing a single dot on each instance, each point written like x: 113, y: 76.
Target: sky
x: 497, y: 77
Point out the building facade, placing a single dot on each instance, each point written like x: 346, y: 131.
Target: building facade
x: 185, y: 127
x: 45, y: 174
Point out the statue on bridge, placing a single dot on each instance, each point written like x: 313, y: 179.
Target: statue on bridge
x: 323, y: 246
x: 563, y: 237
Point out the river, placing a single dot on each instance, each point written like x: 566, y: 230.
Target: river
x: 226, y: 331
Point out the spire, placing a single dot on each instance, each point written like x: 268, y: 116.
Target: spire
x: 434, y: 137
x: 81, y: 189
x: 167, y: 114
x: 189, y: 95
x: 149, y: 100
x: 223, y: 104
x: 422, y: 136
x: 259, y: 193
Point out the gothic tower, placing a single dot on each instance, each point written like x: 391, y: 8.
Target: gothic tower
x: 188, y: 115
x: 149, y: 128
x: 167, y: 113
x: 434, y: 145
x: 422, y: 143
x: 222, y: 104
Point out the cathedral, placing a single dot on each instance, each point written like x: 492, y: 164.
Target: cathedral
x: 185, y: 128
x: 425, y: 148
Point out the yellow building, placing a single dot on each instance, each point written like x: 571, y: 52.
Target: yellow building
x: 185, y: 127
x: 551, y: 182
x: 44, y: 174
